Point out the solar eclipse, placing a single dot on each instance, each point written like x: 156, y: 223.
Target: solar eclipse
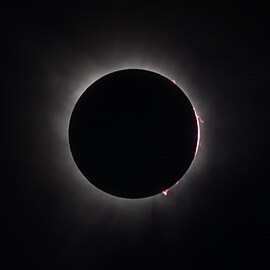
x: 133, y: 133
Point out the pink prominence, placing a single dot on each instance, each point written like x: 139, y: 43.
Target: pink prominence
x: 165, y: 192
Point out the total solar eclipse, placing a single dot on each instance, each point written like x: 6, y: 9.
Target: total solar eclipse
x: 133, y: 133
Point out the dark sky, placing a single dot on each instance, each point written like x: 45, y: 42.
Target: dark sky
x: 218, y: 214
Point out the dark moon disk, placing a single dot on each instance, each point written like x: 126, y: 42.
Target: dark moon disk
x: 133, y: 133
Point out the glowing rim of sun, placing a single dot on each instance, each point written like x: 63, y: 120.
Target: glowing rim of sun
x: 75, y: 93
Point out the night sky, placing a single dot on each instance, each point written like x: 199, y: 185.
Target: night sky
x: 217, y: 217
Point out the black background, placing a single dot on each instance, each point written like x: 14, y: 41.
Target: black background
x: 215, y: 218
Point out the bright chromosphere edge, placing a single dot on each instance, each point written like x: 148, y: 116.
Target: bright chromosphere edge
x: 199, y: 121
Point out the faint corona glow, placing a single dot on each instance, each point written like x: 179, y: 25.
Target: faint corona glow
x: 70, y: 90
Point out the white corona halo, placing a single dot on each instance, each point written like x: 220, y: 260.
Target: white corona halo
x: 77, y: 84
